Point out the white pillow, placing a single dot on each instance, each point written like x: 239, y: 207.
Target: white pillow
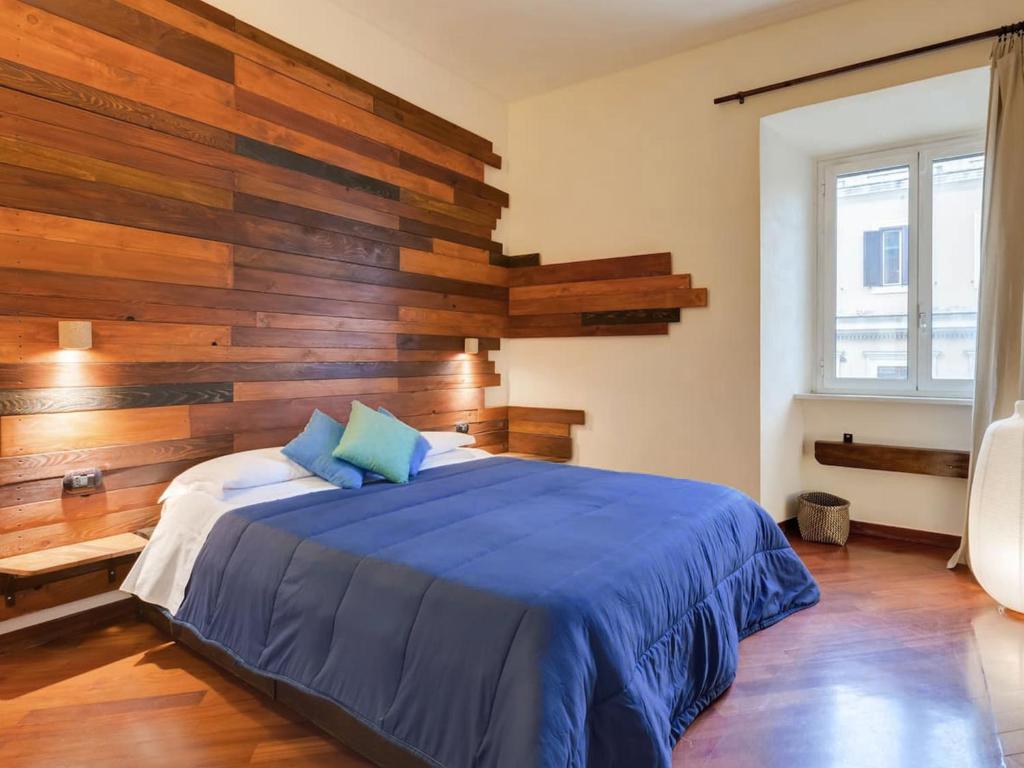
x: 443, y: 442
x: 248, y: 469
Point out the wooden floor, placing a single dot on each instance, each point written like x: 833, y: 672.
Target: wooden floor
x: 902, y: 664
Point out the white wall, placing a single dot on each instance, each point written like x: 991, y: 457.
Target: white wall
x: 919, y: 502
x: 791, y: 142
x: 643, y: 161
x: 788, y: 182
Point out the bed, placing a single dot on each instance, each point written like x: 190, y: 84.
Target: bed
x: 492, y: 612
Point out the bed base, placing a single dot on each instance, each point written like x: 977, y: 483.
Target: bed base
x: 321, y: 712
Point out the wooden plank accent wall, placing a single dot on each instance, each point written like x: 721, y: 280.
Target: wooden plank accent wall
x: 253, y: 232
x: 626, y: 296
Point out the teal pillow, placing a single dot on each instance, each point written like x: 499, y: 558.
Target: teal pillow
x: 420, y: 452
x: 378, y: 443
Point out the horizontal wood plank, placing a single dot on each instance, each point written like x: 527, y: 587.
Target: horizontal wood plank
x: 44, y: 433
x: 19, y: 402
x: 893, y: 458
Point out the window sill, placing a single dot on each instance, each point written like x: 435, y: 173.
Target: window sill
x: 890, y: 399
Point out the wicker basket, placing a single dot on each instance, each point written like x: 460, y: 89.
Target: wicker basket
x: 824, y: 518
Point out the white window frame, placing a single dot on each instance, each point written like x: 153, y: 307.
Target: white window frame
x: 919, y: 158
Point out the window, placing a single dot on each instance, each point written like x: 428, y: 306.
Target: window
x: 899, y: 257
x: 885, y: 257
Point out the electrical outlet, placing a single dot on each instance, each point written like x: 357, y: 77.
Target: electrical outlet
x: 462, y: 427
x: 82, y: 481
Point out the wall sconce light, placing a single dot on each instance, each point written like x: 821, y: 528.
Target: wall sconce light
x: 74, y: 334
x: 472, y: 346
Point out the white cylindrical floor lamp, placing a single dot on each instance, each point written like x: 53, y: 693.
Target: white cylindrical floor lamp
x: 996, y: 515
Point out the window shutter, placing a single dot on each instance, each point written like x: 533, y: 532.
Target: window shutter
x: 905, y: 254
x: 872, y: 259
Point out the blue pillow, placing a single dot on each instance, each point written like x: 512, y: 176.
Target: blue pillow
x: 312, y: 450
x: 421, y: 450
x: 377, y: 443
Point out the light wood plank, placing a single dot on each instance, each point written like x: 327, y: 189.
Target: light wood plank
x: 42, y: 433
x: 81, y: 553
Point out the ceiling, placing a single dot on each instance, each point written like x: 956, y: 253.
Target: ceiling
x: 518, y: 48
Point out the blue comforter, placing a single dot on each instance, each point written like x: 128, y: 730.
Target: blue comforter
x: 503, y: 612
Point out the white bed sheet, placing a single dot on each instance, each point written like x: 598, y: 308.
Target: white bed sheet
x: 162, y: 571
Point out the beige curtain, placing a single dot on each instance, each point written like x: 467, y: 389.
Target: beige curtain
x: 999, y: 375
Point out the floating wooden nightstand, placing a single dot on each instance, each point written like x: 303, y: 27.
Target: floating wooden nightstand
x: 893, y: 458
x: 534, y: 457
x: 34, y: 569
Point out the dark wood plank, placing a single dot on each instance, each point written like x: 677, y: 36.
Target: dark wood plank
x: 14, y: 402
x: 20, y: 469
x: 554, y: 331
x: 609, y: 302
x: 442, y: 342
x: 51, y: 489
x: 276, y: 261
x: 343, y: 290
x: 14, y: 375
x: 37, y: 83
x: 271, y: 209
x: 28, y: 283
x: 515, y: 262
x: 452, y: 235
x: 66, y: 196
x: 644, y: 265
x: 277, y: 337
x: 293, y: 161
x: 71, y: 308
x: 893, y: 458
x: 112, y: 18
x: 631, y: 317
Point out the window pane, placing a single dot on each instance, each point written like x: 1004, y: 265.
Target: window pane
x: 956, y: 258
x: 872, y: 224
x: 891, y: 257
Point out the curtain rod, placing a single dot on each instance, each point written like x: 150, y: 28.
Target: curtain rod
x: 742, y: 96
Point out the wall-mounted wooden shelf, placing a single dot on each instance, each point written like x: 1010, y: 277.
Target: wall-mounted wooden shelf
x: 34, y: 569
x: 893, y: 458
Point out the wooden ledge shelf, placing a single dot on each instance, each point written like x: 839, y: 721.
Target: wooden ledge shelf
x: 32, y: 570
x: 893, y: 458
x: 533, y: 457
